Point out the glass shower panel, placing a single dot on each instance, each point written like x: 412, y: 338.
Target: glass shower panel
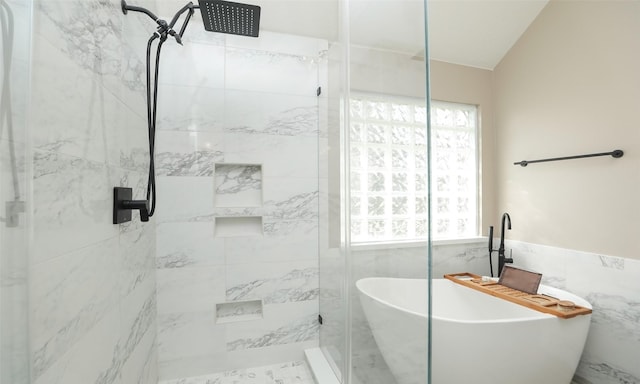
x: 387, y: 170
x: 332, y: 252
x: 249, y: 122
x: 15, y: 27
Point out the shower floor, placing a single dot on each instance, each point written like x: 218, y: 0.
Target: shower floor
x: 296, y: 372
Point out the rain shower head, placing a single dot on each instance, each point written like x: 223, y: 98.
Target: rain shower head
x: 228, y: 17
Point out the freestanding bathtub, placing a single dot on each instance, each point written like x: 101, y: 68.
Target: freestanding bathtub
x: 507, y: 344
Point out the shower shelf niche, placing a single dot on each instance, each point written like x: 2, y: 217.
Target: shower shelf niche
x: 237, y: 199
x: 235, y: 311
x: 238, y: 226
x: 237, y: 185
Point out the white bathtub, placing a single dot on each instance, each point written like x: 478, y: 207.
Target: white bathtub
x: 508, y: 344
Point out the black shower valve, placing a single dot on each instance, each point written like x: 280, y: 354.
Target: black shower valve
x: 140, y: 205
x: 123, y: 205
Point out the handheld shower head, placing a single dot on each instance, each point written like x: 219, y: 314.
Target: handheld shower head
x: 217, y: 16
x: 229, y: 17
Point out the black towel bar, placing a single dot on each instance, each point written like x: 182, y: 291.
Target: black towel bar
x: 615, y: 153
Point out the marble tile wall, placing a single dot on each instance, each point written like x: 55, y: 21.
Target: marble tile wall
x: 92, y: 284
x: 238, y: 136
x: 612, y: 286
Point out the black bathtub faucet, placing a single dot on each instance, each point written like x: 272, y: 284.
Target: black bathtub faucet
x: 502, y: 259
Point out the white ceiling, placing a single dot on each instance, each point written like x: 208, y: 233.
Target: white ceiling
x: 477, y: 33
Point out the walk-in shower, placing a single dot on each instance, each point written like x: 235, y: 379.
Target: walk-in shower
x: 217, y: 16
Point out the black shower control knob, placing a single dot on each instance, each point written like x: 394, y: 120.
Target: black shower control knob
x: 139, y: 205
x: 123, y: 204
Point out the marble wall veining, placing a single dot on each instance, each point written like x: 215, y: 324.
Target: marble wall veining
x: 92, y: 283
x: 612, y: 287
x: 238, y: 136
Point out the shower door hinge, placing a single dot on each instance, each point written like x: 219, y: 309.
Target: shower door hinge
x: 319, y: 91
x: 320, y: 319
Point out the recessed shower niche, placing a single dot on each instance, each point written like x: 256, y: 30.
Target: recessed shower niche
x: 239, y: 311
x: 238, y: 199
x: 238, y: 185
x: 238, y: 226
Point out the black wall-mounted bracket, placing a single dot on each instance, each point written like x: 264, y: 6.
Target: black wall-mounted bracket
x: 123, y: 205
x: 12, y: 211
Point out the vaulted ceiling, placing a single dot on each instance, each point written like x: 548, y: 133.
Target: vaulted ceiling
x: 476, y: 33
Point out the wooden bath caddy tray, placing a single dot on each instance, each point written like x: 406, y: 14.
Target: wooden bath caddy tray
x: 540, y: 303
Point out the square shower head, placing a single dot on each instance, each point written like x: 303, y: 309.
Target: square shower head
x: 228, y: 17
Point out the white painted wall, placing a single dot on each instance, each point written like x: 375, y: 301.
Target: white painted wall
x: 571, y: 86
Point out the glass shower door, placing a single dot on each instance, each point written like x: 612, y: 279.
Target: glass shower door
x: 378, y: 201
x: 15, y: 31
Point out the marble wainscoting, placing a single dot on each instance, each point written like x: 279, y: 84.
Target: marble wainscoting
x: 92, y: 284
x: 611, y: 285
x: 238, y: 197
x: 460, y: 256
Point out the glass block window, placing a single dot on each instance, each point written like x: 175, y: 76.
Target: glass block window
x: 389, y: 160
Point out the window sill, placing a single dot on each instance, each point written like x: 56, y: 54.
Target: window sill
x: 416, y: 243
